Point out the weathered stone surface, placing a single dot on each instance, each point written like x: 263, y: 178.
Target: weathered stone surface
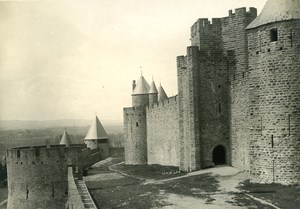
x: 238, y: 89
x: 163, y: 133
x: 37, y: 178
x: 274, y: 108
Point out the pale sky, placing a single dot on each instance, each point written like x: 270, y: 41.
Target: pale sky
x: 70, y: 59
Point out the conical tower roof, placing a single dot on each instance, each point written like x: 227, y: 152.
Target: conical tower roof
x: 153, y: 89
x: 142, y: 87
x: 96, y: 131
x: 161, y: 94
x: 65, y: 139
x: 277, y: 10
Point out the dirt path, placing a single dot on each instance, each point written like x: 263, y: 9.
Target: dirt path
x: 229, y: 179
x: 263, y: 201
x: 223, y: 171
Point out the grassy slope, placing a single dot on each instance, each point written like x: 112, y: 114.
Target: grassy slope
x: 128, y: 193
x: 282, y: 196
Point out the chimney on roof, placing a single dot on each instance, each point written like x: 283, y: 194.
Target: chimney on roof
x: 133, y: 85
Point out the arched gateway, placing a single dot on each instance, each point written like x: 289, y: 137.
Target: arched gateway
x: 219, y: 155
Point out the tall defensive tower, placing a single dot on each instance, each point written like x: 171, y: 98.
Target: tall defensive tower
x: 135, y: 124
x: 37, y: 178
x: 274, y: 64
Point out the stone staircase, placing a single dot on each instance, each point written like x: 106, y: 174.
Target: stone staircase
x: 84, y: 194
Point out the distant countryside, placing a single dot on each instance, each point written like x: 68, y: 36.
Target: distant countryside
x: 35, y: 133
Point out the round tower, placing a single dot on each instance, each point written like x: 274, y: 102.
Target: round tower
x: 153, y: 94
x: 274, y: 63
x: 135, y: 135
x: 140, y: 95
x: 37, y: 178
x: 135, y: 125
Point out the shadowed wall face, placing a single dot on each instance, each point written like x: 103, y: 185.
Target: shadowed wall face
x: 37, y: 178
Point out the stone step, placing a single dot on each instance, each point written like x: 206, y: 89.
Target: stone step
x: 85, y: 195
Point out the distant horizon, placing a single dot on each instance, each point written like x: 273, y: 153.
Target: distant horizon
x: 63, y: 119
x: 60, y: 123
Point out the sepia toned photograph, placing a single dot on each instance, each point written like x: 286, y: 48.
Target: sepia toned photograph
x: 150, y: 104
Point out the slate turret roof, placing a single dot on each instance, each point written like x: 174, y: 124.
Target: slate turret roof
x: 142, y: 87
x: 153, y: 89
x: 96, y: 131
x: 277, y: 10
x: 161, y: 94
x: 65, y: 139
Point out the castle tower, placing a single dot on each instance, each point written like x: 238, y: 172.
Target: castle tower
x: 135, y: 124
x: 140, y: 96
x: 274, y: 63
x: 161, y: 93
x: 37, y: 178
x: 98, y: 138
x: 65, y: 139
x: 153, y: 94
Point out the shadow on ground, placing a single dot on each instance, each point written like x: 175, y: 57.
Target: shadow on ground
x: 115, y: 185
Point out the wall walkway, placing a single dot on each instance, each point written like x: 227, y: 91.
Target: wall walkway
x: 78, y: 194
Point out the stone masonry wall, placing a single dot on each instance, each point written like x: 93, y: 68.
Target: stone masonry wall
x: 135, y: 135
x: 163, y: 133
x: 188, y: 97
x: 207, y: 35
x: 182, y: 77
x: 37, y: 178
x: 104, y: 148
x: 140, y: 100
x: 275, y: 101
x: 74, y: 198
x: 223, y: 57
x: 214, y: 105
x: 234, y: 39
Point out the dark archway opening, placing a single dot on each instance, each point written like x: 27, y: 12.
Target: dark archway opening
x: 219, y: 155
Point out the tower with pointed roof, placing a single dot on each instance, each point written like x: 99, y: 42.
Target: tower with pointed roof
x: 153, y: 94
x: 274, y: 64
x: 144, y: 96
x: 65, y: 139
x: 140, y: 94
x: 135, y: 124
x: 97, y: 138
x: 161, y: 93
x: 238, y: 99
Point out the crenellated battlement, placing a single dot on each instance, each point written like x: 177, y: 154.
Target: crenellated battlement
x: 43, y: 155
x: 238, y: 90
x: 239, y: 12
x: 205, y: 23
x: 171, y: 101
x: 240, y: 16
x: 133, y: 110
